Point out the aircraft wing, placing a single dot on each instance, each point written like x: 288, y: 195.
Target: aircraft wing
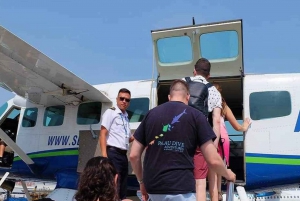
x: 34, y: 76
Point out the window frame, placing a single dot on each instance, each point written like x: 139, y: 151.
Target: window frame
x: 209, y: 57
x: 173, y: 63
x: 45, y: 112
x: 144, y: 112
x: 86, y: 120
x: 254, y: 109
x: 35, y: 121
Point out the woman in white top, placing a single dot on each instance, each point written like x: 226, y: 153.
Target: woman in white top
x: 226, y: 113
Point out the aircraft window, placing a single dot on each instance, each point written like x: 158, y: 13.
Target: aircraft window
x: 138, y: 109
x: 174, y: 49
x: 29, y: 118
x: 219, y: 45
x: 3, y: 108
x: 270, y: 104
x: 54, y: 116
x: 89, y: 113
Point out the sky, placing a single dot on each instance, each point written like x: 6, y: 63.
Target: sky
x: 110, y: 41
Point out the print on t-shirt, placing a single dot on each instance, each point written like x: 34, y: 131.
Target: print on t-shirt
x: 170, y: 145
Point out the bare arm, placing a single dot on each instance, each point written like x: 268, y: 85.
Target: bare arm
x: 136, y: 162
x: 136, y: 158
x: 235, y: 124
x: 216, y: 116
x: 131, y: 138
x: 215, y: 162
x: 102, y: 140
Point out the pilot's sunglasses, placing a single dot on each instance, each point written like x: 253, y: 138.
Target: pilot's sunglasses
x: 126, y: 99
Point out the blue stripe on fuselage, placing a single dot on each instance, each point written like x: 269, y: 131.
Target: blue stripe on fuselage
x: 265, y: 175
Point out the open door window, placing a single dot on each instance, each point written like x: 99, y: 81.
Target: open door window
x: 178, y: 49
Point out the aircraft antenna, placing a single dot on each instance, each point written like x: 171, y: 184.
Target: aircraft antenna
x: 193, y: 21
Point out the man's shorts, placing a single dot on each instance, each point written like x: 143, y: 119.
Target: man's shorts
x: 200, y: 165
x: 177, y: 197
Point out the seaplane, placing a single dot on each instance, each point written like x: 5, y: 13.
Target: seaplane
x: 51, y: 126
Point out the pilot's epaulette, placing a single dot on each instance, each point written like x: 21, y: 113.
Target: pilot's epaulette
x: 112, y: 108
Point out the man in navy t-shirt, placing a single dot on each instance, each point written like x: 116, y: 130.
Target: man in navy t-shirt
x: 171, y: 132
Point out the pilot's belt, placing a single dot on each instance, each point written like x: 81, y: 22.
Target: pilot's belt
x: 121, y: 151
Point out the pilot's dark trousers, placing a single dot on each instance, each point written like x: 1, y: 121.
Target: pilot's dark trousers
x: 120, y: 161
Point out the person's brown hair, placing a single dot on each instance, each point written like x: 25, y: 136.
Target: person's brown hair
x: 224, y: 104
x: 202, y: 67
x: 97, y: 181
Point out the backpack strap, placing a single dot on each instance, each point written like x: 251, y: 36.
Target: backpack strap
x: 188, y: 79
x: 209, y: 85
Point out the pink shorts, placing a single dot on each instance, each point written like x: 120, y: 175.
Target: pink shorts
x: 200, y: 165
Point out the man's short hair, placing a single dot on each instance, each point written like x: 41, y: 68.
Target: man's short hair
x: 179, y: 86
x: 202, y: 67
x: 124, y: 90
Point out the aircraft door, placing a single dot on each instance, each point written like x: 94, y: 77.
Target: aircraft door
x: 88, y: 147
x: 269, y: 104
x: 176, y: 50
x: 88, y: 118
x: 9, y: 124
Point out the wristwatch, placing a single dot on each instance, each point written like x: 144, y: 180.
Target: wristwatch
x: 141, y: 181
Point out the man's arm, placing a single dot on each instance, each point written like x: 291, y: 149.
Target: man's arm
x: 215, y: 162
x: 136, y: 162
x: 102, y: 140
x: 216, y: 116
x: 136, y: 159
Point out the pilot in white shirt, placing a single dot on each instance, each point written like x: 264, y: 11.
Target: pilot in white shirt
x: 117, y: 124
x: 115, y: 136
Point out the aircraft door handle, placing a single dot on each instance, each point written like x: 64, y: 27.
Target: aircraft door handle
x: 92, y: 132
